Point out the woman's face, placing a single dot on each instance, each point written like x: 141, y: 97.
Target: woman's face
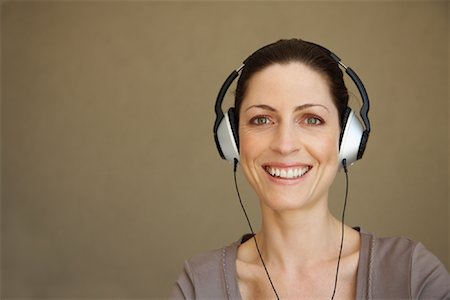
x: 289, y: 132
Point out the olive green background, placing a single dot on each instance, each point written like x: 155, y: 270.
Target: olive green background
x: 109, y: 172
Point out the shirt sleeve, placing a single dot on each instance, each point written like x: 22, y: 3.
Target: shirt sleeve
x: 183, y: 287
x: 429, y: 277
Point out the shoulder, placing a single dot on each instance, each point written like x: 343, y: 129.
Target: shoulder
x: 204, y: 275
x: 429, y: 277
x: 402, y: 267
x: 381, y: 253
x: 206, y: 261
x: 394, y: 248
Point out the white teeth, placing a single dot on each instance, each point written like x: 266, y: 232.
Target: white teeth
x: 288, y: 173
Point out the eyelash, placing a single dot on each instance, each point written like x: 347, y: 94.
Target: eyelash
x: 254, y: 120
x: 320, y: 120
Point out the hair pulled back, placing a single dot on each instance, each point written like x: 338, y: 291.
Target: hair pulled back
x: 295, y: 50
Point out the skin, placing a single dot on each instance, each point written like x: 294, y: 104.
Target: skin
x: 288, y: 121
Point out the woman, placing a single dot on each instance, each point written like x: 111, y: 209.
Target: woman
x: 290, y: 105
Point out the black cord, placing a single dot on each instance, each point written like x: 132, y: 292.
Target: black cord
x: 251, y: 229
x: 344, y: 164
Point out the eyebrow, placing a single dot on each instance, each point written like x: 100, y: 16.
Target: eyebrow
x: 298, y: 108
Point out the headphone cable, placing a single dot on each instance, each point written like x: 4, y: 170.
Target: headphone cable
x: 344, y: 164
x: 251, y: 229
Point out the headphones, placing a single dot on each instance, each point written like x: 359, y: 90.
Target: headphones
x: 354, y: 134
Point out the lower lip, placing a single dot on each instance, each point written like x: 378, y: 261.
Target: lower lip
x: 286, y: 181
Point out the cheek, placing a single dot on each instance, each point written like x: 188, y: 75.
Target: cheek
x: 249, y: 149
x: 326, y: 148
x: 253, y: 146
x: 250, y: 145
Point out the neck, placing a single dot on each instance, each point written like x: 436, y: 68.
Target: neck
x: 299, y: 238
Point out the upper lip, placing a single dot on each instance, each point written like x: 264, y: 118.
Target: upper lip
x: 281, y: 165
x: 287, y: 170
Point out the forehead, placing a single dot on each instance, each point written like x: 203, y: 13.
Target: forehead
x: 288, y: 84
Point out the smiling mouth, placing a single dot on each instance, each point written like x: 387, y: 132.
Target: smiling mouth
x: 287, y: 173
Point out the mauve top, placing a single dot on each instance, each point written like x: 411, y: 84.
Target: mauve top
x: 388, y: 268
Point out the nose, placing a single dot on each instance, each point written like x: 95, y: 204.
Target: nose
x: 286, y: 139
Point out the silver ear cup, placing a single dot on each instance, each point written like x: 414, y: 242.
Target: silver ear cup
x: 226, y: 139
x: 351, y: 139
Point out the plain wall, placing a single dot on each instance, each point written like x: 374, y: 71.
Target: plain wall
x: 110, y: 175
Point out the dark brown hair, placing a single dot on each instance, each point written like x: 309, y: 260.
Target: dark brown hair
x: 295, y: 50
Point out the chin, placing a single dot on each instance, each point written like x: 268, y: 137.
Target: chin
x: 282, y: 202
